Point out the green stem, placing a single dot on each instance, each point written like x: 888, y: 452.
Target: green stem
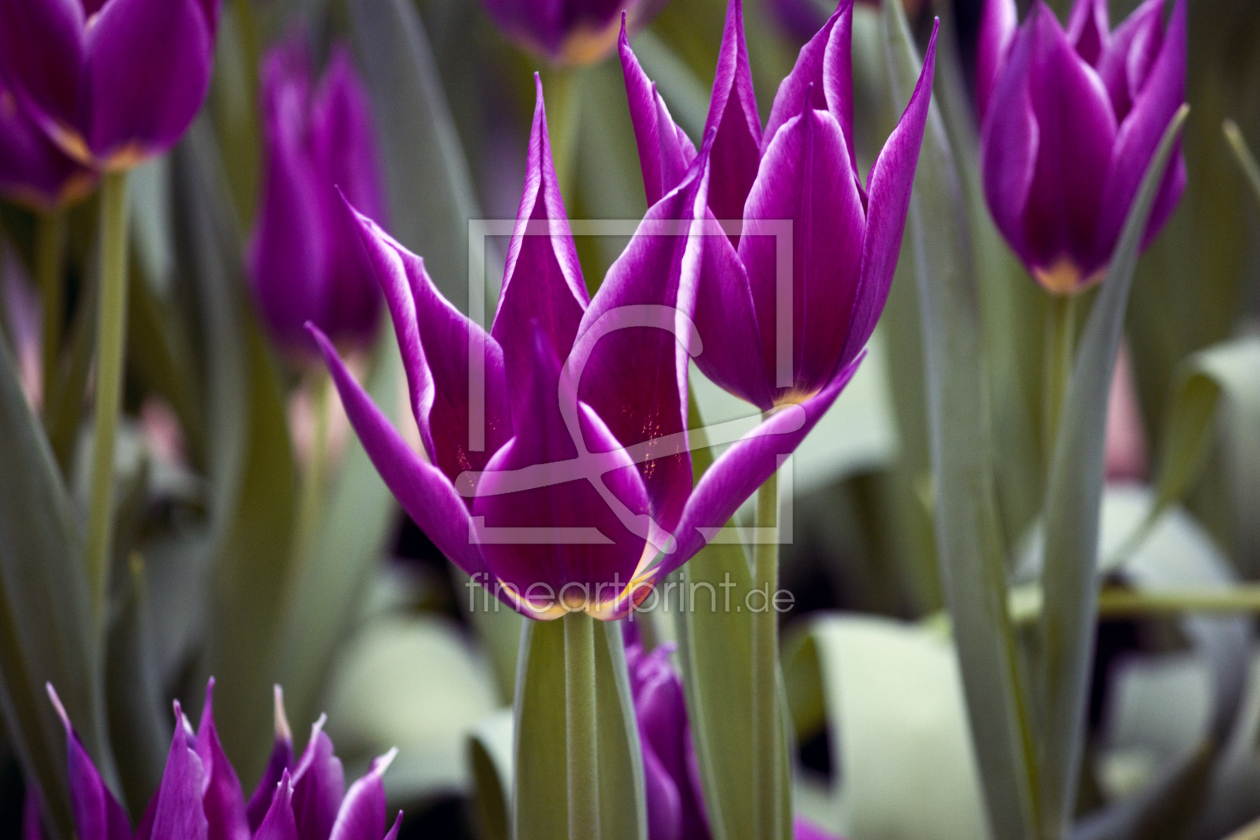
x: 581, y: 745
x: 111, y: 329
x: 310, y: 505
x: 1060, y: 346
x: 767, y: 723
x: 50, y: 239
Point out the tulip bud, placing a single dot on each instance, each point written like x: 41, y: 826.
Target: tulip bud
x: 305, y: 259
x: 33, y: 170
x: 569, y: 32
x: 1071, y: 122
x: 112, y: 82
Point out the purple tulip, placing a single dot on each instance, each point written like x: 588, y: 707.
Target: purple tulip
x: 568, y: 32
x: 33, y: 170
x: 844, y: 239
x: 199, y: 797
x: 305, y: 259
x: 112, y: 82
x: 1071, y: 122
x: 556, y: 466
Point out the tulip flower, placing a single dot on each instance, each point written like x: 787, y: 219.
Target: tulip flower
x: 845, y: 238
x: 112, y: 82
x: 568, y: 32
x: 305, y: 260
x: 33, y: 170
x: 1071, y: 122
x: 555, y: 458
x: 199, y: 797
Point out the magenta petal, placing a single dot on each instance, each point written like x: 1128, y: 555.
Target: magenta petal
x: 434, y: 339
x: 732, y: 132
x: 746, y: 465
x: 665, y: 152
x: 147, y: 68
x: 561, y: 508
x: 891, y: 180
x: 97, y: 814
x: 362, y: 814
x: 319, y: 783
x: 1009, y: 143
x: 33, y: 169
x: 997, y: 30
x: 542, y: 280
x: 423, y: 491
x: 279, y: 822
x: 223, y: 801
x: 179, y: 812
x: 393, y: 829
x: 803, y: 829
x: 633, y: 345
x: 280, y: 761
x: 806, y: 177
x: 1089, y: 29
x: 1127, y: 60
x: 41, y: 55
x: 1076, y: 133
x: 1161, y: 95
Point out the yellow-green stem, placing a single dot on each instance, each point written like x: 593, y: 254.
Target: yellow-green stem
x: 1060, y: 346
x: 111, y: 329
x: 310, y: 504
x: 50, y: 238
x: 767, y: 722
x: 581, y: 728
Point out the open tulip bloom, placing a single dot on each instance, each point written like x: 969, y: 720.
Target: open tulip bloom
x: 200, y: 798
x: 568, y: 31
x: 799, y: 174
x: 556, y: 465
x: 1071, y: 122
x: 33, y: 170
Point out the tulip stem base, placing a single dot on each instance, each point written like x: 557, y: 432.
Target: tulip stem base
x: 50, y: 243
x: 315, y: 479
x: 581, y: 728
x: 111, y: 330
x: 1060, y: 349
x: 767, y: 720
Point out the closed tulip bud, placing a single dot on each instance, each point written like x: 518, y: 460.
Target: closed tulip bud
x: 568, y: 32
x: 1071, y: 121
x: 305, y: 260
x: 112, y: 82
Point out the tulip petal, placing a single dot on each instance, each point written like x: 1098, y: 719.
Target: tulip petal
x: 732, y: 131
x: 147, y: 68
x: 542, y: 280
x: 393, y: 830
x: 664, y: 802
x: 41, y: 54
x: 1129, y: 57
x: 362, y: 814
x: 806, y: 177
x: 279, y: 822
x: 278, y: 764
x: 319, y: 783
x: 632, y: 348
x: 562, y: 505
x: 1076, y: 133
x: 997, y: 31
x: 33, y: 169
x: 891, y: 180
x: 665, y: 151
x: 179, y: 812
x: 424, y: 492
x: 745, y: 466
x: 1089, y: 29
x: 1161, y: 95
x: 1008, y: 144
x: 803, y: 829
x: 97, y: 814
x: 223, y: 802
x: 434, y: 339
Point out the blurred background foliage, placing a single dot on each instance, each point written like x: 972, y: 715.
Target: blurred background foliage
x: 362, y: 618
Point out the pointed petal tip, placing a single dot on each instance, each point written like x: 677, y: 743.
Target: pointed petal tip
x: 381, y: 763
x: 283, y: 731
x: 58, y: 705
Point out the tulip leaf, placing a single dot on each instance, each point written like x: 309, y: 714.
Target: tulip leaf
x: 968, y: 532
x: 1073, y: 496
x: 898, y: 729
x: 540, y: 797
x: 430, y: 189
x: 46, y: 624
x: 331, y: 582
x: 490, y: 754
x: 1246, y: 160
